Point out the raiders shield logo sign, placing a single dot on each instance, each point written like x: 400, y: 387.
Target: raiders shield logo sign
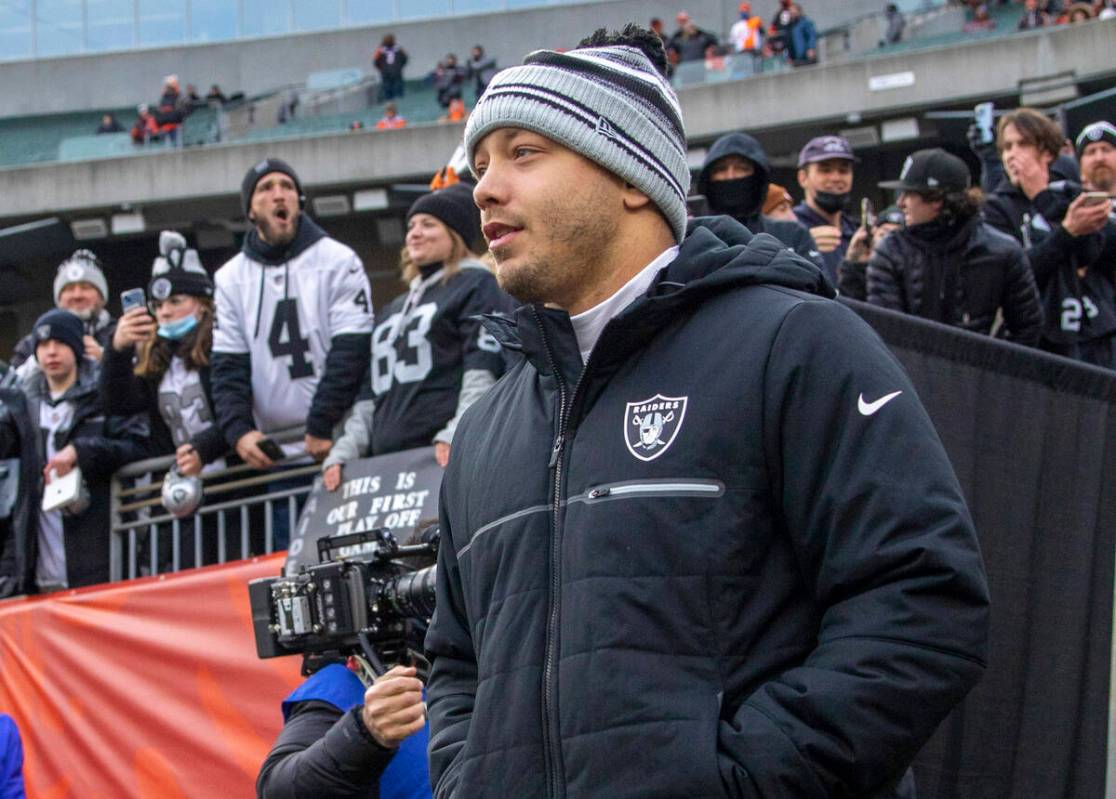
x: 651, y: 425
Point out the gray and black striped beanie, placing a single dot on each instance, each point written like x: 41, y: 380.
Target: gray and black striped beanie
x: 608, y: 104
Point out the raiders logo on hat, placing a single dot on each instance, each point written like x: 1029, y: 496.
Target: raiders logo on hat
x: 74, y: 272
x: 1095, y: 133
x: 43, y: 332
x: 161, y: 289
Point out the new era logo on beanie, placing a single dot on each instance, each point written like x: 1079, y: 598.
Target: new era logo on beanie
x: 608, y: 104
x: 62, y: 326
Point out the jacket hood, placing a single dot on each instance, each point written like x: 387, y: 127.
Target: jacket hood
x: 735, y: 144
x: 718, y: 254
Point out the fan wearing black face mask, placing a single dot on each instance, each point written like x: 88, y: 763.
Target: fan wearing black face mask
x: 825, y: 173
x: 734, y: 180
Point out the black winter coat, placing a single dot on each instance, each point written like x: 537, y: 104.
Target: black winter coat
x: 126, y: 393
x: 961, y: 279
x: 1074, y: 274
x: 692, y: 568
x: 103, y: 443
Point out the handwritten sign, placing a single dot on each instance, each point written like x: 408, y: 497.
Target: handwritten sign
x: 397, y: 491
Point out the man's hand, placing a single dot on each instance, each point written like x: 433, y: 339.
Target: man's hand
x: 132, y: 328
x: 188, y: 460
x: 63, y: 461
x: 92, y: 348
x: 826, y: 237
x: 331, y: 476
x: 860, y: 246
x: 1082, y: 219
x: 393, y: 706
x: 318, y: 448
x: 1030, y: 175
x: 250, y: 453
x: 441, y: 453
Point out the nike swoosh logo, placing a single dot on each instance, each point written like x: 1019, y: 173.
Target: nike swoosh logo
x: 868, y: 408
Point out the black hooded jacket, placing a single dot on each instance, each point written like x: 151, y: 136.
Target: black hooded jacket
x: 1074, y: 274
x: 691, y: 567
x: 792, y: 234
x: 960, y: 276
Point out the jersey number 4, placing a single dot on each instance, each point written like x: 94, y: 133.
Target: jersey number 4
x: 286, y: 339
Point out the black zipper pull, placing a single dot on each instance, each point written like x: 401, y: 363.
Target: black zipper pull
x: 556, y: 450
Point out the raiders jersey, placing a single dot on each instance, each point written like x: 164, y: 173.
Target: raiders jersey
x: 284, y: 318
x: 424, y: 342
x: 184, y: 407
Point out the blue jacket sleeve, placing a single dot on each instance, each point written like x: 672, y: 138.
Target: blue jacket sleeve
x: 885, y: 542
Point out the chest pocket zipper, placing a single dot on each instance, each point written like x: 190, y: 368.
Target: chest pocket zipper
x: 671, y: 487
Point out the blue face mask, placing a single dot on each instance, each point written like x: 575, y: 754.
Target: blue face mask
x: 178, y: 328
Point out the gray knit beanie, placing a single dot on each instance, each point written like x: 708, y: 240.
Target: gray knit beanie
x: 608, y: 104
x: 81, y: 267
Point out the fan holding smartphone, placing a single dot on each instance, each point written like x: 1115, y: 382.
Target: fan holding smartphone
x: 159, y: 358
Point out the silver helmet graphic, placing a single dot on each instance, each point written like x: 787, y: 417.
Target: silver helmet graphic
x: 181, y: 494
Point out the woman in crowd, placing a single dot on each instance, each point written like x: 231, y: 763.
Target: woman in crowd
x: 159, y: 364
x: 431, y: 357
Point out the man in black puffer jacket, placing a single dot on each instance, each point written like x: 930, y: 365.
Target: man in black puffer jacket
x: 701, y: 539
x: 945, y: 264
x: 1073, y: 261
x: 734, y: 180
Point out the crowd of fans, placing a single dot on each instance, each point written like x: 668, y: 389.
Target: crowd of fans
x: 1031, y: 259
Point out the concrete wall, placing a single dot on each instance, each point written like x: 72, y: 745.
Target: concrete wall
x: 826, y: 94
x: 114, y: 80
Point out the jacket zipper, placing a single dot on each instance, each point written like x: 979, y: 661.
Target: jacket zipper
x: 551, y: 736
x: 661, y: 488
x: 551, y: 746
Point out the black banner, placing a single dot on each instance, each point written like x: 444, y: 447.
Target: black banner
x: 1032, y: 438
x: 397, y: 491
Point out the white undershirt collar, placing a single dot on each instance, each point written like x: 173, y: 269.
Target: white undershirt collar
x: 588, y: 325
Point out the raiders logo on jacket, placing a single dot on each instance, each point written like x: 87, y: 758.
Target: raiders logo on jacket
x: 425, y: 343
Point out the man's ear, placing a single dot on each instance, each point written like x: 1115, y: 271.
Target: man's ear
x: 634, y: 199
x: 802, y: 179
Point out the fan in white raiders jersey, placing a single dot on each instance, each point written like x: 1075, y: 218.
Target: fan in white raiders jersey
x: 431, y: 357
x: 294, y: 320
x: 158, y: 363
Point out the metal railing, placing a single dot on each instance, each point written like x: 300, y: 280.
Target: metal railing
x: 238, y: 501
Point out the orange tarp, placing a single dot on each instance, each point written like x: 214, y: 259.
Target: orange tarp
x: 149, y: 688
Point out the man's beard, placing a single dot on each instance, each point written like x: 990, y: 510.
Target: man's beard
x: 577, y: 238
x: 1101, y: 178
x: 85, y: 314
x: 273, y: 236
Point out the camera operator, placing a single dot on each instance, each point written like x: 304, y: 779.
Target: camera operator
x: 340, y: 740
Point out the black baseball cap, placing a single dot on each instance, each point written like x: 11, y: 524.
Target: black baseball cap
x: 931, y: 170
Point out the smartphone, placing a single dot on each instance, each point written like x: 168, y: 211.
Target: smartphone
x: 1095, y: 197
x: 133, y: 298
x: 983, y: 114
x: 866, y: 216
x: 271, y: 449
